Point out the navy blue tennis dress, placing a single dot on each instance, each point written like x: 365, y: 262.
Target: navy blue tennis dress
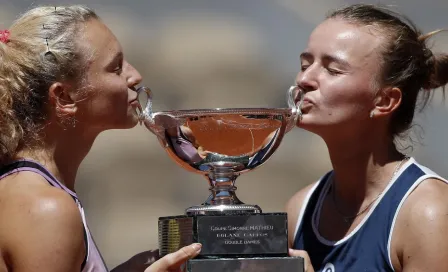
x: 366, y: 248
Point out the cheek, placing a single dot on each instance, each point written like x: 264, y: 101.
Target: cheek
x: 119, y: 96
x: 116, y: 102
x: 113, y: 93
x: 347, y: 94
x: 106, y: 102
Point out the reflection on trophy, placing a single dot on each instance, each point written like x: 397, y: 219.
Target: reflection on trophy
x: 221, y: 144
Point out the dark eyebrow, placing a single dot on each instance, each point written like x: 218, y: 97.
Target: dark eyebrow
x: 306, y: 55
x: 326, y: 58
x: 329, y: 58
x: 117, y: 57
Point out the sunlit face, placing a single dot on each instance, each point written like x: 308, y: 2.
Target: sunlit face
x: 110, y: 100
x: 339, y: 69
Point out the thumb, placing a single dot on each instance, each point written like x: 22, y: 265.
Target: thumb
x: 305, y: 256
x: 174, y: 260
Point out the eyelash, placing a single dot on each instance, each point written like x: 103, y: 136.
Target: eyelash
x: 119, y: 69
x: 333, y: 72
x: 330, y: 71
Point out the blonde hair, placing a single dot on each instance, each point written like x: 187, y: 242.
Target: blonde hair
x: 42, y: 49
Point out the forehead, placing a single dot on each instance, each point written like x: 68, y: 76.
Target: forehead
x: 99, y: 41
x: 356, y: 44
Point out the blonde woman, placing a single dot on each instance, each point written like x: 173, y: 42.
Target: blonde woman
x: 63, y: 80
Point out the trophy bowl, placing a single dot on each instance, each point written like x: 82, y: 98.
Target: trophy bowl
x: 220, y: 144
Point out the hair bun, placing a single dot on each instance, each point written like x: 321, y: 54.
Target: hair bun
x: 438, y: 71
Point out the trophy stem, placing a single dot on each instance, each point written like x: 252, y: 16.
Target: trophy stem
x: 223, y: 199
x: 222, y: 186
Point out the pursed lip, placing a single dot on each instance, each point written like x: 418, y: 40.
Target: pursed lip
x: 307, y: 104
x: 307, y: 100
x: 133, y: 98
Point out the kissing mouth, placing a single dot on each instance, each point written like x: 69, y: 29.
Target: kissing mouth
x: 306, y: 105
x: 306, y: 100
x: 297, y: 97
x: 134, y: 96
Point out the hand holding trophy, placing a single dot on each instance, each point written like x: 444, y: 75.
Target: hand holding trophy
x: 221, y: 144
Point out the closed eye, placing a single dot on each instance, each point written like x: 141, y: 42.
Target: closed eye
x: 116, y: 64
x: 333, y: 72
x: 118, y: 69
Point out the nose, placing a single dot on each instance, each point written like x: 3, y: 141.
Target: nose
x: 133, y: 76
x: 307, y: 79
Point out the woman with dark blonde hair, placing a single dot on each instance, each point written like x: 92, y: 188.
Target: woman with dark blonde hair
x: 63, y: 80
x: 363, y: 71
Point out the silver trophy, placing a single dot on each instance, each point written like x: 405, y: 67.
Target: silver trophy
x: 220, y: 144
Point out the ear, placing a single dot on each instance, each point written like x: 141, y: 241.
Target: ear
x: 59, y: 96
x: 387, y: 101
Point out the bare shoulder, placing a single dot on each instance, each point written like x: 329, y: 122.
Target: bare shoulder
x: 293, y: 207
x: 39, y: 222
x: 420, y: 234
x: 27, y: 193
x: 426, y: 203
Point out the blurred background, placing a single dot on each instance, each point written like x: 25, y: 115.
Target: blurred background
x: 204, y: 54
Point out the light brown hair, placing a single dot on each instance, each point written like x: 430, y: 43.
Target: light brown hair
x: 407, y: 61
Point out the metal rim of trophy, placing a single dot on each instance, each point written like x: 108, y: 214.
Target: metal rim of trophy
x: 144, y: 112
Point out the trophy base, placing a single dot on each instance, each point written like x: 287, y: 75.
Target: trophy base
x: 223, y: 209
x: 287, y: 264
x: 227, y: 236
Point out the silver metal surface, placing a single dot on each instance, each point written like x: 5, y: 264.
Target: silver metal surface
x: 221, y: 144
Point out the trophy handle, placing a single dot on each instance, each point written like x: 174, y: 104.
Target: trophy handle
x: 146, y: 115
x: 144, y: 97
x: 294, y: 97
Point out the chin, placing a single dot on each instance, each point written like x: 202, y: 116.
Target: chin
x: 308, y: 125
x: 304, y: 121
x: 132, y: 120
x: 131, y: 124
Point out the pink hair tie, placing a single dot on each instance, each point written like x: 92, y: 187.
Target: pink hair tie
x: 4, y: 36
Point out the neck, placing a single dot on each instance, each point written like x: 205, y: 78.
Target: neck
x: 62, y: 153
x: 362, y: 171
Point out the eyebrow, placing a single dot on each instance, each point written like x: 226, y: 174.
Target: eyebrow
x: 306, y: 55
x: 117, y: 56
x: 330, y: 58
x: 326, y: 58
